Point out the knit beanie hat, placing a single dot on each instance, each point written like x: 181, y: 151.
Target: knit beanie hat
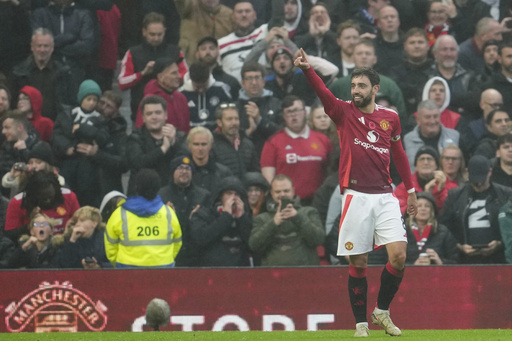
x: 88, y: 87
x: 180, y: 160
x: 42, y: 151
x: 427, y: 150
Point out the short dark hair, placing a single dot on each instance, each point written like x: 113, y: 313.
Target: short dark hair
x: 490, y: 116
x: 153, y: 18
x: 416, y: 31
x: 152, y: 100
x: 507, y: 138
x: 147, y: 183
x: 289, y: 100
x: 199, y: 72
x: 252, y: 66
x: 507, y: 44
x: 372, y: 75
x: 114, y: 97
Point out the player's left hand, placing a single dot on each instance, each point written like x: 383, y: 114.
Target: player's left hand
x: 412, y: 204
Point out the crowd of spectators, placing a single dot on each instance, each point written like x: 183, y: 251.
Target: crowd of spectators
x: 226, y: 157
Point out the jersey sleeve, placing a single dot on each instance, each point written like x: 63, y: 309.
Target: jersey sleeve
x: 326, y: 97
x: 127, y: 76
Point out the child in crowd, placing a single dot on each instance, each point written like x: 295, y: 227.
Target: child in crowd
x: 36, y: 250
x: 71, y: 132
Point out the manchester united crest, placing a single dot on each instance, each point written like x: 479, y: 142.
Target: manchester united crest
x: 314, y: 145
x: 349, y: 246
x: 384, y: 124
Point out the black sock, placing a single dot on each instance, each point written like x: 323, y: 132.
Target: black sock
x: 389, y: 283
x: 357, y: 289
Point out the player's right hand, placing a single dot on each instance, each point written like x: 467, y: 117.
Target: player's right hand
x: 302, y: 61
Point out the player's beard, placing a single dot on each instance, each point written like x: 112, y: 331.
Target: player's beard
x: 364, y: 102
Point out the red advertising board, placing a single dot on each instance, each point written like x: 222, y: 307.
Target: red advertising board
x: 248, y: 299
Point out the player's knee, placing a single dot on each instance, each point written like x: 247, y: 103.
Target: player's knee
x: 397, y: 260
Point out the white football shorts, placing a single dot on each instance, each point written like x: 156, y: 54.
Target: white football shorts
x: 368, y: 220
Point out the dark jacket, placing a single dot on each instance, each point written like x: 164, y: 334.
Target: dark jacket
x: 455, y: 215
x: 222, y: 238
x: 293, y: 242
x: 143, y: 151
x: 234, y: 86
x: 111, y: 158
x: 270, y: 114
x: 487, y: 146
x: 442, y: 241
x: 57, y: 84
x: 328, y: 47
x: 499, y: 82
x: 238, y: 161
x: 71, y: 254
x: 33, y: 258
x: 184, y: 200
x: 388, y: 53
x: 76, y: 40
x: 296, y: 85
x: 209, y: 175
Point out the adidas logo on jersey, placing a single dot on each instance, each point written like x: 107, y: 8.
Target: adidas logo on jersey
x: 288, y: 147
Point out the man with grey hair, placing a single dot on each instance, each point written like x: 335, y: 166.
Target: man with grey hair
x: 428, y: 131
x: 45, y: 73
x: 207, y: 173
x: 462, y: 87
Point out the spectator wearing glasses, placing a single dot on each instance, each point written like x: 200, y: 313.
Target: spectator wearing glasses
x: 231, y: 146
x: 297, y: 151
x: 453, y: 166
x: 36, y: 250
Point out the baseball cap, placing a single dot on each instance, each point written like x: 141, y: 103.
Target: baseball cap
x: 478, y: 169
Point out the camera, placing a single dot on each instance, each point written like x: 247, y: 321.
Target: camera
x: 20, y: 166
x: 89, y: 260
x: 508, y: 24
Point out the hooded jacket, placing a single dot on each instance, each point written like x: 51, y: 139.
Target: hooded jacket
x: 178, y: 113
x: 42, y: 124
x: 202, y: 106
x: 143, y: 233
x: 221, y: 237
x: 291, y: 243
x: 449, y: 118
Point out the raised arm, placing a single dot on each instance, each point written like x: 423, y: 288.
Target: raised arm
x: 326, y: 97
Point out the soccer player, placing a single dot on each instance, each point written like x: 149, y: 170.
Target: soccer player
x: 368, y: 133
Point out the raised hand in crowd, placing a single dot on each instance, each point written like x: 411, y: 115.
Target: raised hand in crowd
x: 169, y: 133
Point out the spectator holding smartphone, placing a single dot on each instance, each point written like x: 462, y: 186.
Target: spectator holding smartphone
x: 471, y: 213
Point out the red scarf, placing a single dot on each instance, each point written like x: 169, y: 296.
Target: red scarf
x: 421, y: 240
x: 435, y: 31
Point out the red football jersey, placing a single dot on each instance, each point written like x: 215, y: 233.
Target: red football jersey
x: 365, y: 141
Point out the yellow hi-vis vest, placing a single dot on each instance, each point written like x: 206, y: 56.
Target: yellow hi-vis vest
x: 131, y: 240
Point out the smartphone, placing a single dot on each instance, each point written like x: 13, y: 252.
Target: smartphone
x: 508, y: 24
x: 285, y: 202
x: 89, y: 260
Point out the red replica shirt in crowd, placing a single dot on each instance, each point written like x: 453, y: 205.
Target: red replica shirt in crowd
x: 17, y: 216
x: 303, y: 160
x: 366, y: 141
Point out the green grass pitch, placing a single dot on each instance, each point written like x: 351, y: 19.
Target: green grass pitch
x: 331, y: 335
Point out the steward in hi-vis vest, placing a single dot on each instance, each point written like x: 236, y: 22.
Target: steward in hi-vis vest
x: 143, y: 232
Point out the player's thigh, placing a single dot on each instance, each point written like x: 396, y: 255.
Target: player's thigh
x: 356, y: 225
x: 389, y: 224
